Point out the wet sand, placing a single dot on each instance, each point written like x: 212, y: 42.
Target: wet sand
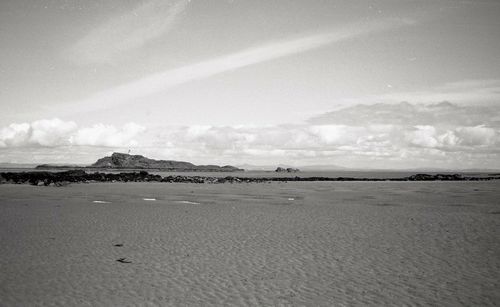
x: 313, y: 244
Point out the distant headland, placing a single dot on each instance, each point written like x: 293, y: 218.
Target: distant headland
x: 126, y: 161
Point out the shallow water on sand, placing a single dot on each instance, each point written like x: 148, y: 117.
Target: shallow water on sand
x: 315, y: 244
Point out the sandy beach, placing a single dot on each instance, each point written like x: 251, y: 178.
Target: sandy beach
x: 280, y: 244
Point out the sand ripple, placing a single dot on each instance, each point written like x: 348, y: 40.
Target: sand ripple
x: 334, y: 244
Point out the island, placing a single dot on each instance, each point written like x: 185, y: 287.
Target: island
x: 286, y: 170
x: 126, y: 161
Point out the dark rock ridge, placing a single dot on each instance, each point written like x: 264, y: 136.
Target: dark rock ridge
x: 42, y: 178
x: 125, y: 161
x: 286, y: 170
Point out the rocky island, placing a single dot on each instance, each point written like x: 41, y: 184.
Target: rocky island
x: 286, y: 170
x: 125, y: 161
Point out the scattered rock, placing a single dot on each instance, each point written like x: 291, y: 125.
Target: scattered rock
x: 440, y: 177
x: 286, y: 170
x: 61, y: 183
x: 42, y: 178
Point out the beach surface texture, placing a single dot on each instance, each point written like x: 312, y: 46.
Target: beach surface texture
x: 260, y: 244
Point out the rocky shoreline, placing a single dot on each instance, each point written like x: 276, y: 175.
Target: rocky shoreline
x: 42, y: 178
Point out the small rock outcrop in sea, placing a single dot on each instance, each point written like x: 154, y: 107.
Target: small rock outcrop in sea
x: 125, y: 161
x: 286, y: 170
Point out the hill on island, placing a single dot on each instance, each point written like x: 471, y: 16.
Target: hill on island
x: 125, y: 161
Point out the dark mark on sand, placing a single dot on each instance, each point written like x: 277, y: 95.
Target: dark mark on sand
x: 123, y: 260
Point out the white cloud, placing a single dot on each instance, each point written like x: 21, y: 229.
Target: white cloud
x: 413, y: 114
x: 14, y: 134
x: 485, y: 91
x: 424, y: 136
x: 384, y: 140
x: 459, y: 137
x: 50, y: 132
x: 449, y: 138
x: 107, y: 135
x: 335, y: 134
x: 476, y: 136
x: 164, y: 80
x: 55, y: 132
x: 132, y: 30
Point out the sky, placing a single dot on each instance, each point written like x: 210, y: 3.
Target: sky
x: 382, y: 84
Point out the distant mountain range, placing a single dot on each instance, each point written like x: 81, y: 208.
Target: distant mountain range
x: 17, y: 165
x: 125, y: 161
x: 331, y: 167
